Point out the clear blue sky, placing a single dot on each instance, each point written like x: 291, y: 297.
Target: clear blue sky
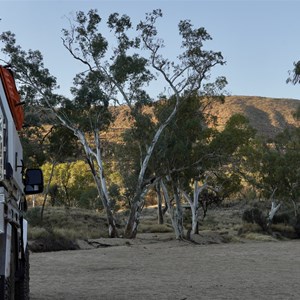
x: 258, y: 39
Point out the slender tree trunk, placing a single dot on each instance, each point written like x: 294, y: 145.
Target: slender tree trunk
x: 174, y: 212
x: 47, y: 189
x: 138, y: 200
x: 160, y: 213
x: 135, y: 213
x: 195, y: 222
x: 178, y: 213
x: 112, y: 228
x: 99, y: 179
x: 132, y: 222
x: 295, y: 207
x: 194, y: 204
x: 272, y: 212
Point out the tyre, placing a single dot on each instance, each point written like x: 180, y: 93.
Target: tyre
x: 7, y: 284
x: 22, y: 284
x: 5, y: 289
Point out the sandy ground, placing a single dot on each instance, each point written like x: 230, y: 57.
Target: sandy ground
x: 159, y: 268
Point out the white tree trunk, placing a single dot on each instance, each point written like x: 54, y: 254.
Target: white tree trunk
x: 175, y: 213
x: 160, y: 215
x: 99, y: 178
x: 194, y: 204
x: 135, y: 214
x: 273, y: 211
x: 136, y: 206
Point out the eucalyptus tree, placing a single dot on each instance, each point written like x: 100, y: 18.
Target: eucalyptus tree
x: 117, y: 74
x: 177, y: 155
x: 285, y: 176
x: 39, y: 87
x: 185, y: 77
x: 273, y: 167
x: 213, y: 174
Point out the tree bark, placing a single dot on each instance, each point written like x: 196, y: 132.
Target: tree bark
x: 174, y: 212
x: 47, y: 189
x: 272, y: 212
x: 160, y: 213
x: 194, y: 204
x: 132, y: 222
x: 99, y: 179
x: 178, y: 214
x: 134, y: 216
x: 138, y: 200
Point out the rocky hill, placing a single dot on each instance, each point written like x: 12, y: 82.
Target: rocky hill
x: 268, y: 116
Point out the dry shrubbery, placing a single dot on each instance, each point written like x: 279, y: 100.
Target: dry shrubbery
x: 151, y: 227
x: 284, y: 225
x: 61, y: 227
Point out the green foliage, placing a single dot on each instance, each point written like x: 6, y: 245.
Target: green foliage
x: 29, y: 66
x: 91, y: 101
x: 297, y: 113
x: 178, y: 147
x: 237, y: 132
x: 275, y: 166
x: 72, y: 185
x: 295, y: 74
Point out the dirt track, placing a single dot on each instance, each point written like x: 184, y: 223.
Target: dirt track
x: 170, y: 270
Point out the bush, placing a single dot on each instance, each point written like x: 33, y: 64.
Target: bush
x: 61, y: 227
x: 297, y: 226
x: 282, y: 218
x: 52, y: 241
x: 255, y: 216
x: 33, y: 216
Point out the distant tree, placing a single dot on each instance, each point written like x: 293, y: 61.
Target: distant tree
x: 213, y: 175
x: 74, y: 184
x: 175, y: 159
x: 297, y: 113
x: 59, y: 144
x: 294, y: 74
x: 274, y: 167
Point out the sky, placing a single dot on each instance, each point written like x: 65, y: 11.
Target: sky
x: 258, y: 39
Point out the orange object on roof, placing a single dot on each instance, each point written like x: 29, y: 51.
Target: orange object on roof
x: 13, y: 97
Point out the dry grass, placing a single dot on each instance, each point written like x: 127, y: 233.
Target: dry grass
x: 283, y: 228
x: 260, y: 237
x: 35, y: 233
x: 62, y: 228
x: 151, y: 227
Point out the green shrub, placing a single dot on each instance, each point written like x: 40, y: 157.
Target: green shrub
x: 33, y: 216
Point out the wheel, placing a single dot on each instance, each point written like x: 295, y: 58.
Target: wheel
x: 22, y: 285
x: 7, y: 284
x: 5, y: 288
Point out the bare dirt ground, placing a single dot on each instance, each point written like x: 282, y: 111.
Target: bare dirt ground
x: 157, y: 267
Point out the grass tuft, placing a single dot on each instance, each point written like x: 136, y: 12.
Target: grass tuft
x: 254, y: 236
x: 154, y: 228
